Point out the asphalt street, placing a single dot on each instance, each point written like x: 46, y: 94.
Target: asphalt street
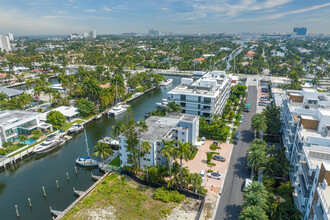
x: 232, y: 196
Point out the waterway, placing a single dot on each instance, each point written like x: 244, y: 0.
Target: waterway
x: 26, y: 180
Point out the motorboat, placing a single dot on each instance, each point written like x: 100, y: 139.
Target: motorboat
x: 117, y: 110
x: 86, y: 161
x: 109, y: 141
x: 166, y: 82
x: 75, y: 128
x: 52, y: 142
x: 162, y: 104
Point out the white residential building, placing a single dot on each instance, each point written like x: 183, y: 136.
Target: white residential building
x: 206, y: 96
x: 5, y: 43
x: 10, y: 36
x: 306, y: 136
x: 17, y: 122
x: 70, y: 112
x: 174, y: 126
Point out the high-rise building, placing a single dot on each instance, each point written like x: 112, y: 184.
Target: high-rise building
x: 4, y: 43
x: 92, y: 33
x: 153, y: 32
x: 10, y: 36
x: 300, y: 30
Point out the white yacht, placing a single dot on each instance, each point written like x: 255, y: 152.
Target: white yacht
x: 117, y: 110
x: 166, y: 82
x: 75, y: 128
x: 49, y: 144
x: 86, y: 161
x: 109, y: 141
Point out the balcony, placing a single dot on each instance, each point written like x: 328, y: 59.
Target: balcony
x: 324, y: 197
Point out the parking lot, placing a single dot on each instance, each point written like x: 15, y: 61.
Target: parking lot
x: 260, y: 108
x: 199, y: 163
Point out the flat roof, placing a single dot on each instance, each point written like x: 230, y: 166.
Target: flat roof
x: 11, y: 117
x: 11, y: 92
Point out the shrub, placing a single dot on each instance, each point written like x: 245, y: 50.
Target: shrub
x: 210, y: 171
x: 166, y: 195
x: 36, y: 134
x: 214, y: 147
x: 3, y: 152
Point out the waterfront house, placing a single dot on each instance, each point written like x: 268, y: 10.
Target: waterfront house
x: 18, y: 122
x: 306, y: 137
x: 174, y: 126
x: 204, y: 97
x: 70, y: 112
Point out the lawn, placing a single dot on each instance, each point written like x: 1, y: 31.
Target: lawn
x: 120, y: 198
x: 115, y: 162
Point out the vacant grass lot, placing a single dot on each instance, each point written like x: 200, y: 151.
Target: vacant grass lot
x: 119, y: 198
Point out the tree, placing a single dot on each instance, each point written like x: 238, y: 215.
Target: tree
x: 23, y: 139
x: 86, y: 107
x: 3, y: 96
x: 132, y: 140
x: 255, y: 159
x: 102, y: 151
x: 168, y: 151
x: 145, y: 148
x: 7, y: 144
x: 117, y: 129
x: 255, y: 199
x: 182, y: 151
x: 36, y: 134
x: 258, y: 123
x: 142, y: 127
x: 252, y: 213
x: 173, y: 107
x: 56, y: 118
x: 195, y: 179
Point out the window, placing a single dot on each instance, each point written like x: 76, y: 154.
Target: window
x: 182, y: 140
x: 182, y: 133
x: 120, y: 154
x: 144, y: 158
x: 148, y: 159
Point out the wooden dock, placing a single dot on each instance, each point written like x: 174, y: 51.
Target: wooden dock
x: 77, y: 192
x: 55, y: 212
x: 95, y: 178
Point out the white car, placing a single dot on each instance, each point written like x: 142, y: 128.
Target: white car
x: 203, y: 139
x: 215, y: 175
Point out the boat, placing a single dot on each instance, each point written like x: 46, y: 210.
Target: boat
x: 166, y: 82
x: 75, y: 128
x: 162, y: 104
x: 117, y: 110
x: 86, y: 161
x: 109, y: 141
x: 52, y: 142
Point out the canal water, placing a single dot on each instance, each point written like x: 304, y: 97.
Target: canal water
x: 26, y: 180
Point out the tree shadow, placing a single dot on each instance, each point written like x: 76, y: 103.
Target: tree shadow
x: 232, y: 212
x: 240, y: 168
x: 246, y: 136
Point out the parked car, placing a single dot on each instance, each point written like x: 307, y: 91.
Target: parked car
x: 236, y: 135
x: 255, y: 79
x: 264, y: 90
x: 216, y: 143
x: 215, y: 175
x: 219, y: 158
x: 247, y: 183
x: 240, y: 121
x: 241, y: 116
x: 202, y: 173
x: 262, y: 103
x: 203, y: 139
x: 264, y: 98
x: 235, y: 141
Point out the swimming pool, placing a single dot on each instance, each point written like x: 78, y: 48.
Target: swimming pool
x: 28, y: 142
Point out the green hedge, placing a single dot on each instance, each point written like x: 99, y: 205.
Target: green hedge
x: 166, y: 195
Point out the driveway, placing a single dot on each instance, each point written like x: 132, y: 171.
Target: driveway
x: 199, y: 163
x: 232, y: 196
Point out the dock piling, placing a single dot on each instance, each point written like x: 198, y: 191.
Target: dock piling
x: 44, y: 191
x: 75, y: 169
x: 30, y: 204
x: 67, y: 176
x: 17, y: 214
x: 58, y: 187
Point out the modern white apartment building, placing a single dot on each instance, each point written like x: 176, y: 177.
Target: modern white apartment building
x: 174, y: 126
x: 306, y: 136
x: 17, y: 122
x: 4, y: 43
x: 204, y: 97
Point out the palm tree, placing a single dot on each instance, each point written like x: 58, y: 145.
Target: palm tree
x: 142, y: 127
x: 102, y: 151
x: 22, y: 139
x: 7, y: 144
x: 117, y: 130
x: 173, y: 107
x: 256, y: 159
x: 255, y: 187
x: 168, y: 152
x: 146, y: 147
x: 3, y: 96
x: 258, y: 123
x: 258, y: 144
x: 182, y: 152
x: 253, y: 213
x: 255, y: 199
x: 195, y: 179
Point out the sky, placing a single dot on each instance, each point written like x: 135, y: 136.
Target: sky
x: 48, y: 17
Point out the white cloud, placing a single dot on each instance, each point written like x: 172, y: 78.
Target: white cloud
x: 90, y: 10
x: 107, y: 9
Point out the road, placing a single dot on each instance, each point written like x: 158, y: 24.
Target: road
x: 231, y: 198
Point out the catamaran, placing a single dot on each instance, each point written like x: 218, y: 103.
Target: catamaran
x: 86, y: 161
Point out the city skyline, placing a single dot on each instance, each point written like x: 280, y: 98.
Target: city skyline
x: 43, y: 17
